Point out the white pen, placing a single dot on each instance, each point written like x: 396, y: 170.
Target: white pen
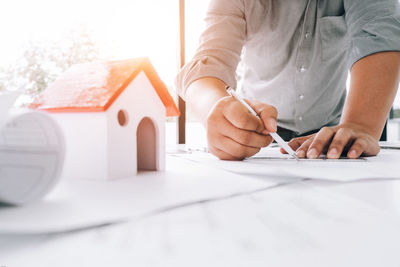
x: 276, y: 136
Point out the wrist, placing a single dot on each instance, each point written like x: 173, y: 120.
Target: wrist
x: 365, y: 128
x: 202, y: 96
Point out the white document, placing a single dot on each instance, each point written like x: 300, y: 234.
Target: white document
x: 295, y: 225
x: 269, y: 162
x: 389, y: 145
x: 80, y: 204
x: 305, y: 224
x: 31, y: 155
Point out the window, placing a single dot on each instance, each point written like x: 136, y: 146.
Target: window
x: 195, y: 14
x: 43, y: 38
x: 393, y: 128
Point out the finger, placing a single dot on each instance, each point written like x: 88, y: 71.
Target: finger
x: 221, y: 154
x: 241, y: 118
x: 233, y: 148
x: 341, y: 139
x: 301, y: 152
x: 363, y: 146
x: 220, y: 125
x: 295, y: 143
x: 244, y: 137
x: 321, y: 140
x: 267, y: 113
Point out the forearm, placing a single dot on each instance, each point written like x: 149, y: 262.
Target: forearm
x: 216, y: 58
x: 202, y: 95
x: 374, y: 83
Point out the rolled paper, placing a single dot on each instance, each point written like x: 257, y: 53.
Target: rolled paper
x: 32, y: 151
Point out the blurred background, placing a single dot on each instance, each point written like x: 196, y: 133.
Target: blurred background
x: 42, y: 38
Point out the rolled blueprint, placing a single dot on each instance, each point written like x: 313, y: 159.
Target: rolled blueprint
x: 32, y: 153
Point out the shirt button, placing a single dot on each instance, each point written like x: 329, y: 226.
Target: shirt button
x: 302, y: 69
x: 300, y: 118
x: 307, y: 35
x: 301, y: 97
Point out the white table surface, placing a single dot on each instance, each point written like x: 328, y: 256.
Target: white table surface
x: 307, y: 223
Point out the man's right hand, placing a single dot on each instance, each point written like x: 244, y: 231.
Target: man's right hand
x: 233, y: 133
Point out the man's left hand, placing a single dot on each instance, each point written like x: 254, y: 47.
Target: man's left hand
x: 348, y: 139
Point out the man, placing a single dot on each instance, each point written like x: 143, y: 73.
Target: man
x: 296, y: 56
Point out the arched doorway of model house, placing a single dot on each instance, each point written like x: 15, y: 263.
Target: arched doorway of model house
x: 146, y: 138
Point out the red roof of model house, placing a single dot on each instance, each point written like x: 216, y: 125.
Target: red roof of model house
x: 92, y: 87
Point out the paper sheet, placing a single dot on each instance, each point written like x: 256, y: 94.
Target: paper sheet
x: 297, y: 225
x: 31, y: 156
x: 269, y: 162
x: 389, y: 145
x: 80, y: 204
x: 312, y: 225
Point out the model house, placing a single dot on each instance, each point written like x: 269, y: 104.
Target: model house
x: 113, y: 117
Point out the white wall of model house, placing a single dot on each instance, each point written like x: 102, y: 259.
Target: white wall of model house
x: 102, y: 146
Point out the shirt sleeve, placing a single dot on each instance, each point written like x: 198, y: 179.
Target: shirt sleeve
x: 220, y: 45
x: 373, y: 26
